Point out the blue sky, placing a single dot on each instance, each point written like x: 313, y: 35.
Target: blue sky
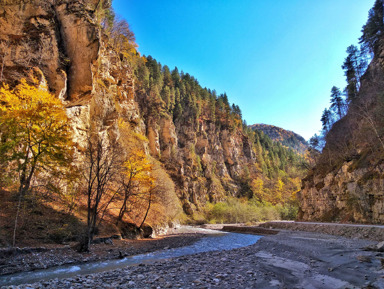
x: 277, y: 60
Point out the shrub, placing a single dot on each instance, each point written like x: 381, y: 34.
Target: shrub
x: 235, y: 210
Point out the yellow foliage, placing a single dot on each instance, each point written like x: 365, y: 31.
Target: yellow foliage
x: 139, y: 168
x: 257, y: 186
x: 34, y: 130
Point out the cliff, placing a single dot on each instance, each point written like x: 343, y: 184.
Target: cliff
x: 347, y: 184
x: 63, y: 42
x: 285, y: 137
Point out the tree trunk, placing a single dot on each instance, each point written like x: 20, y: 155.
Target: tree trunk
x: 16, y: 219
x: 146, y: 213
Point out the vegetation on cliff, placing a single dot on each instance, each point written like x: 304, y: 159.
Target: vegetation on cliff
x: 346, y: 183
x: 132, y: 141
x: 272, y: 178
x: 287, y: 138
x: 359, y: 103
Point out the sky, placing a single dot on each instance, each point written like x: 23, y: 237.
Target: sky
x: 277, y: 60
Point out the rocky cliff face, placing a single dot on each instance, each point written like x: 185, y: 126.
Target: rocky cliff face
x: 347, y: 183
x: 50, y: 35
x: 60, y: 41
x: 348, y: 194
x: 206, y: 163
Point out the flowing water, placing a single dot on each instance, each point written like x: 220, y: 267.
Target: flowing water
x: 213, y: 242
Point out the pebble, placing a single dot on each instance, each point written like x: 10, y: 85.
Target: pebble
x: 224, y: 269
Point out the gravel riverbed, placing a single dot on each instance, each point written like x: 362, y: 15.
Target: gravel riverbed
x: 286, y: 260
x: 13, y: 260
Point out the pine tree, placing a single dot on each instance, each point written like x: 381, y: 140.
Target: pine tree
x: 175, y: 77
x: 337, y: 102
x: 166, y: 96
x: 167, y: 77
x: 354, y: 66
x: 326, y: 120
x: 374, y: 28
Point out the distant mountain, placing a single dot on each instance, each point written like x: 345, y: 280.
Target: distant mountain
x: 285, y: 137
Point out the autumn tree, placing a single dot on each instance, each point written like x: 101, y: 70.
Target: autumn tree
x: 35, y: 134
x: 165, y: 204
x: 135, y: 182
x: 123, y: 42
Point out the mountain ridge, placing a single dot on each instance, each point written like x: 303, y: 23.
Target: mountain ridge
x: 287, y: 138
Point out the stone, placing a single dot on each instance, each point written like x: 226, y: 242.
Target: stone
x: 380, y: 247
x: 147, y: 231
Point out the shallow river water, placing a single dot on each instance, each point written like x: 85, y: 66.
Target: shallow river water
x: 212, y: 242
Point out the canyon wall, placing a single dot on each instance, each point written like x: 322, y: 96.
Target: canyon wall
x: 347, y: 184
x: 62, y: 43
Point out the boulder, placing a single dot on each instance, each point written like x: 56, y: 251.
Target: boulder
x: 146, y: 231
x: 129, y: 230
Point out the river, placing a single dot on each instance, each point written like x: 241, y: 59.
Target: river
x: 213, y: 241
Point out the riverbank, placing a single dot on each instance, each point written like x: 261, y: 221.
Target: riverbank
x: 29, y: 259
x: 353, y: 231
x: 286, y: 260
x: 289, y: 259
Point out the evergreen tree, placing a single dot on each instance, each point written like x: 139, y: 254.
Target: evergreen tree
x: 178, y: 112
x: 337, y: 102
x: 354, y: 66
x: 314, y: 142
x: 175, y: 77
x: 166, y: 96
x: 374, y: 28
x: 326, y: 120
x: 212, y: 102
x: 167, y: 77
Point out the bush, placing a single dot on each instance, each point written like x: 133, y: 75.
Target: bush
x: 235, y: 210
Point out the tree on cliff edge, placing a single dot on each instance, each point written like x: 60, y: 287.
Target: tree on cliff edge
x: 374, y: 28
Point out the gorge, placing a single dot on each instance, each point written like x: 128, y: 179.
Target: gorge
x: 105, y: 153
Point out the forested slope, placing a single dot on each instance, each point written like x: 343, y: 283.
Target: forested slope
x: 285, y: 137
x: 347, y: 182
x: 143, y: 143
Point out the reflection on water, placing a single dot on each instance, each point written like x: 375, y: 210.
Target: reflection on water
x: 213, y: 242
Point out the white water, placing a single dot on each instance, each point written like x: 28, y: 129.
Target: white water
x: 213, y: 242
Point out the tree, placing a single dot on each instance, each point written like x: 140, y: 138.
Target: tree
x: 102, y: 163
x: 166, y: 97
x: 326, y: 120
x: 136, y: 177
x: 122, y: 35
x: 354, y: 66
x: 373, y: 117
x: 167, y: 77
x: 257, y: 187
x: 337, y: 102
x: 123, y: 41
x: 35, y: 134
x: 374, y: 28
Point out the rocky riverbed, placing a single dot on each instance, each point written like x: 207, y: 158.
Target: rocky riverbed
x: 354, y: 231
x: 13, y: 260
x: 286, y: 260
